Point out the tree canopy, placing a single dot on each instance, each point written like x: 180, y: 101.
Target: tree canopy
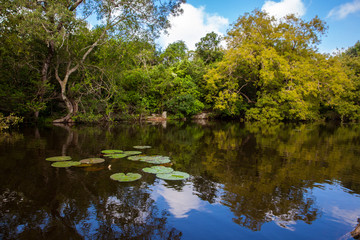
x: 54, y: 65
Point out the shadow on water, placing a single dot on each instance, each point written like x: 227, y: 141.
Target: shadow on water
x: 261, y: 174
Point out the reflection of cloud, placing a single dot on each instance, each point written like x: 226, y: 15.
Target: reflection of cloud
x: 180, y: 203
x: 345, y: 215
x: 284, y: 220
x: 114, y: 206
x: 345, y: 9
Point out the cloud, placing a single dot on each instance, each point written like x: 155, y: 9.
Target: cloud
x: 342, y: 11
x: 192, y: 25
x: 284, y: 7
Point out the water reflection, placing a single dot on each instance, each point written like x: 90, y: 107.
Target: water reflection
x: 282, y: 175
x: 180, y: 202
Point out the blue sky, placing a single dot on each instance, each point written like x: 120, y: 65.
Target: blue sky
x: 201, y: 17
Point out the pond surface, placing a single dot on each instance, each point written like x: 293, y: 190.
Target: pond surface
x: 247, y: 181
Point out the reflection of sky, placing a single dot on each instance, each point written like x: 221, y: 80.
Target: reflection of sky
x: 338, y: 205
x: 180, y: 202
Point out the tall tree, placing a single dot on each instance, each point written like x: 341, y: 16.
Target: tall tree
x: 209, y: 48
x: 55, y: 23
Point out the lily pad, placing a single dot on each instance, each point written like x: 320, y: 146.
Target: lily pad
x: 112, y: 151
x: 132, y: 152
x: 84, y: 165
x: 122, y: 177
x: 158, y: 169
x: 65, y: 164
x: 92, y: 160
x: 58, y: 158
x: 136, y: 158
x: 121, y: 155
x: 156, y: 159
x: 141, y: 147
x: 175, y: 175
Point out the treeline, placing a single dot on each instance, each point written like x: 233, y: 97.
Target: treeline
x: 54, y: 66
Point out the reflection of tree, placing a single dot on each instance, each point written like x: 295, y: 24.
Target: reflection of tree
x: 262, y: 173
x: 265, y: 170
x: 41, y: 202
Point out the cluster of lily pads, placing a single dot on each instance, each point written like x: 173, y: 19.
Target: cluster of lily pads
x: 64, y: 161
x: 163, y: 172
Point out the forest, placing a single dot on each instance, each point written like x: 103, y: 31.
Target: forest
x: 55, y: 67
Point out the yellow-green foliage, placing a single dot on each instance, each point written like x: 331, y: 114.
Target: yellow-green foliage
x: 274, y: 68
x: 11, y: 120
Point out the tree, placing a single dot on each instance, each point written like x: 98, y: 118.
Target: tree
x: 208, y: 49
x: 272, y: 71
x: 57, y: 26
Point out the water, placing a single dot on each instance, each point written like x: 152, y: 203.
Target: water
x: 248, y: 181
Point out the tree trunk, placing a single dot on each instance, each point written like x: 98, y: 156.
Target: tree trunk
x: 71, y: 106
x: 44, y: 75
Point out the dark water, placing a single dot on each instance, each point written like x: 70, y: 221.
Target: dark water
x: 248, y: 181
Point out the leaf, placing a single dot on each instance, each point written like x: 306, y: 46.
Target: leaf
x: 175, y: 175
x: 121, y: 155
x: 132, y: 152
x: 158, y: 169
x: 141, y: 147
x: 155, y: 159
x: 65, y: 164
x: 136, y: 158
x: 112, y: 151
x: 122, y: 177
x: 92, y: 160
x: 58, y: 158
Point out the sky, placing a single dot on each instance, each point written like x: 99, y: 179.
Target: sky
x: 204, y: 16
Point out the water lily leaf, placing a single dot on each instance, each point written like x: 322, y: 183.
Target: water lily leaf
x: 175, y: 175
x: 65, y: 164
x: 122, y: 177
x: 58, y: 158
x: 132, y: 152
x: 158, y: 169
x: 136, y: 158
x: 84, y: 165
x: 112, y: 151
x: 156, y: 159
x: 92, y: 160
x: 121, y: 155
x: 141, y: 147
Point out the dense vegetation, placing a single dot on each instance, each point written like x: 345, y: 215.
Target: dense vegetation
x: 54, y: 66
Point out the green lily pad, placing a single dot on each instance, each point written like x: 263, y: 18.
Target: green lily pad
x: 132, y: 152
x: 175, y: 175
x: 65, y: 164
x: 121, y: 155
x: 112, y: 151
x: 156, y: 159
x: 141, y: 147
x: 92, y: 160
x: 136, y: 158
x: 122, y: 177
x: 158, y: 169
x: 58, y: 158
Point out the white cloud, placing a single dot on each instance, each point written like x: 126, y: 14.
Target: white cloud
x: 284, y: 7
x: 192, y: 25
x: 342, y: 11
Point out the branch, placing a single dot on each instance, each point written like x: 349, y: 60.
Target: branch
x: 76, y: 4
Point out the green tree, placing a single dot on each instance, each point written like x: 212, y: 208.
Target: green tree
x: 209, y: 49
x: 272, y: 71
x: 56, y: 25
